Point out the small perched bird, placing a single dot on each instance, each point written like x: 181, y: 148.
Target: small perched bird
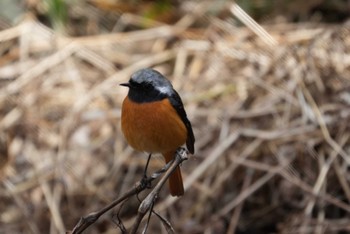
x: 154, y: 120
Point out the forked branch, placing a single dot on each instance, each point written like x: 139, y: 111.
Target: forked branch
x: 146, y: 204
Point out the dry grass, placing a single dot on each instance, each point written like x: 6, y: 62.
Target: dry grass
x: 270, y: 111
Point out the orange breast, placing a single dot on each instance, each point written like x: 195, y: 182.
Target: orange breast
x: 152, y: 127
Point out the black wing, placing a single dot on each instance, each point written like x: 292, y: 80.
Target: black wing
x: 176, y: 101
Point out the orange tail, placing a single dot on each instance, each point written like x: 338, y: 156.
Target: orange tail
x: 176, y: 186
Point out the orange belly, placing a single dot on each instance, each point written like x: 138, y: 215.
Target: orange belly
x: 153, y: 127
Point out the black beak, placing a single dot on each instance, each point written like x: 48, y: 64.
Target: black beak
x: 125, y: 84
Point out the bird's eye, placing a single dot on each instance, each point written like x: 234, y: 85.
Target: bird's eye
x: 147, y: 86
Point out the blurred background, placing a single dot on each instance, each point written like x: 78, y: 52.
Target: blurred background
x: 266, y: 85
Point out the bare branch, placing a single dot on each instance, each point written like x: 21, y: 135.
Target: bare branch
x: 145, y: 205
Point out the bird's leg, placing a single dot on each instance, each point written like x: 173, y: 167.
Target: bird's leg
x: 146, y: 167
x: 145, y: 178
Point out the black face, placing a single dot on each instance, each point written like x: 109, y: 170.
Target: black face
x: 148, y: 85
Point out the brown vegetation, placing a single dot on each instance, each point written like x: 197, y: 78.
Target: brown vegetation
x: 270, y: 111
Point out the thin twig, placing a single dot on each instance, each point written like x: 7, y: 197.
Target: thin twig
x: 145, y: 205
x: 148, y: 202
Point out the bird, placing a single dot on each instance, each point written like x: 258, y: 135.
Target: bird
x: 154, y: 120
